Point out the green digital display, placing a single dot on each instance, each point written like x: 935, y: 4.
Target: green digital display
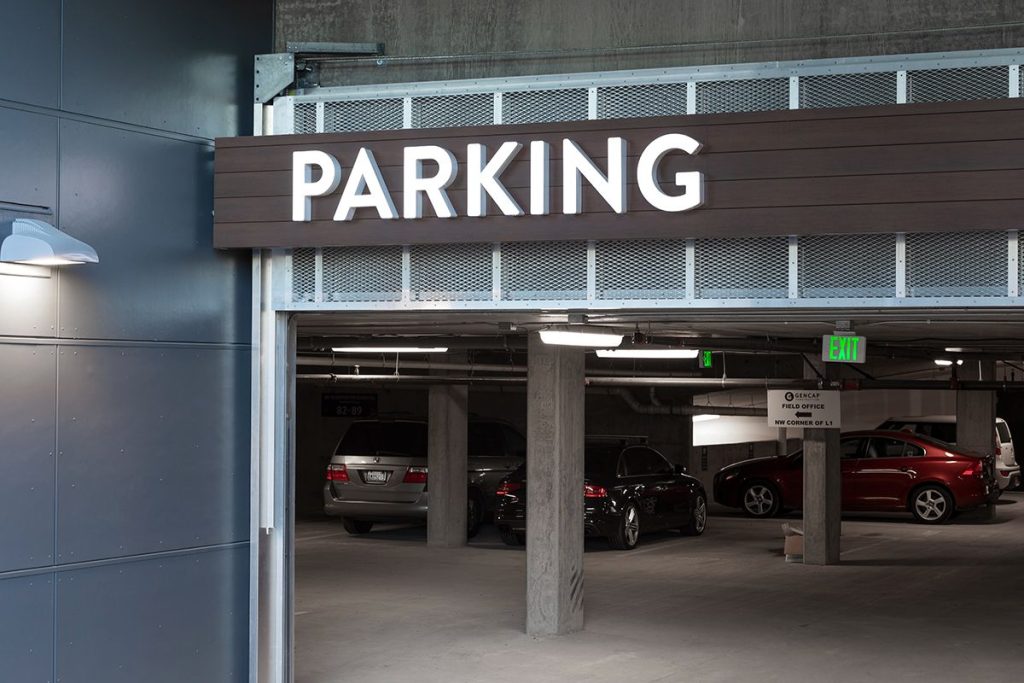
x: 843, y: 348
x: 706, y: 359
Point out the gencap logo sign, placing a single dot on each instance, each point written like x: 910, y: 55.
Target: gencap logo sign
x: 366, y: 188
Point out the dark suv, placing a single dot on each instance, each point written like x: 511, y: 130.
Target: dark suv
x: 378, y: 472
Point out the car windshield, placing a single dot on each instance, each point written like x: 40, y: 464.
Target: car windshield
x: 388, y: 438
x: 600, y: 461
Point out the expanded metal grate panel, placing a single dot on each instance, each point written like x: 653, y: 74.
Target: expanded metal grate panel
x: 847, y: 90
x: 763, y: 94
x: 541, y: 106
x: 361, y: 115
x: 742, y: 268
x: 630, y: 101
x: 956, y: 264
x: 304, y: 275
x: 543, y: 271
x: 847, y: 266
x: 640, y: 269
x: 950, y: 85
x: 305, y: 118
x: 453, y: 110
x: 363, y: 274
x: 450, y: 272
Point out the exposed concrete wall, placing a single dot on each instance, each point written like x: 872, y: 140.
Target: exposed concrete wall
x: 588, y: 35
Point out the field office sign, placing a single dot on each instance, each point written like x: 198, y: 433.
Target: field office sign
x: 894, y: 168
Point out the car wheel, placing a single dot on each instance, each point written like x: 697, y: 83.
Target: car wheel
x: 356, y: 526
x: 761, y: 499
x: 474, y: 516
x: 509, y: 537
x: 627, y: 535
x: 931, y: 504
x: 698, y: 517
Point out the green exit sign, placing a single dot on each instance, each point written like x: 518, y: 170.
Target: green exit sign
x: 706, y: 359
x: 843, y: 348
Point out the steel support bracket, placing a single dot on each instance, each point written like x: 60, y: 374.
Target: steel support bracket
x: 300, y: 65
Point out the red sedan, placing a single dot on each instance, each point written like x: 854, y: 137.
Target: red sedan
x: 882, y: 471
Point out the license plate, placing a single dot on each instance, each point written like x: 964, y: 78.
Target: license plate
x: 375, y: 477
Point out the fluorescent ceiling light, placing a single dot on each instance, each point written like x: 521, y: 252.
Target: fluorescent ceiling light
x: 648, y: 351
x: 581, y: 335
x: 390, y: 349
x: 705, y: 417
x: 37, y: 243
x: 945, y: 362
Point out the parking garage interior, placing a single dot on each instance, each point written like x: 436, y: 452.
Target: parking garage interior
x: 674, y: 605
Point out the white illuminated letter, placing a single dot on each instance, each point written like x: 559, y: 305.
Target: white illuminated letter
x: 692, y: 182
x: 540, y: 181
x: 415, y: 185
x: 303, y: 185
x: 365, y: 175
x: 482, y: 179
x: 576, y: 165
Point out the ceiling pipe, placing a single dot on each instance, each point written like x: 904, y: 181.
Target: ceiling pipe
x: 661, y: 409
x: 343, y: 362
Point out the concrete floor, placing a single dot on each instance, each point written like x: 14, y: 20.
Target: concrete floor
x: 909, y: 603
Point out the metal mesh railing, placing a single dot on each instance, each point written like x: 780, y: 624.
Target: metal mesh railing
x: 544, y: 271
x: 634, y: 101
x: 305, y: 118
x: 847, y: 90
x: 844, y: 266
x: 450, y: 272
x: 362, y: 274
x: 950, y: 85
x: 304, y: 275
x: 541, y: 106
x: 348, y: 116
x: 742, y: 268
x: 956, y: 264
x: 476, y: 109
x: 640, y: 269
x: 762, y: 94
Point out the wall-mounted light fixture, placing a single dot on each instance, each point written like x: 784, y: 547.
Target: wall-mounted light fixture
x: 32, y: 242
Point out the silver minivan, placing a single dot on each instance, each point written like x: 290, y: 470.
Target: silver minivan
x: 378, y: 472
x: 943, y: 428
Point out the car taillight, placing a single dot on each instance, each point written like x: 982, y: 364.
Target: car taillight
x: 507, y: 488
x: 337, y: 473
x: 415, y: 475
x: 976, y: 469
x: 594, y: 491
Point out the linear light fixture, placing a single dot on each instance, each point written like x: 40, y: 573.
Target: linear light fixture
x: 650, y: 351
x: 390, y: 349
x: 945, y: 362
x: 581, y: 335
x: 706, y: 417
x: 34, y: 242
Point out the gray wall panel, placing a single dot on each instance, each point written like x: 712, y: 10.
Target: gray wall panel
x: 29, y: 52
x: 153, y: 450
x: 28, y: 306
x: 27, y: 404
x: 26, y: 629
x: 183, y: 66
x: 145, y: 203
x: 173, y: 620
x: 30, y: 141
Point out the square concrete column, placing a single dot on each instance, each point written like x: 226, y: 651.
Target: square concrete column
x: 822, y: 492
x: 554, y: 485
x: 447, y: 479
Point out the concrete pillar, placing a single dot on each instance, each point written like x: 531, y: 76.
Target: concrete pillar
x: 447, y: 434
x: 554, y: 470
x: 976, y: 410
x: 822, y: 491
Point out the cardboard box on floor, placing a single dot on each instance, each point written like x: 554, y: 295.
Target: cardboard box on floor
x: 793, y: 547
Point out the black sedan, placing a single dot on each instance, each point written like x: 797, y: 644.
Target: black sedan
x: 627, y: 491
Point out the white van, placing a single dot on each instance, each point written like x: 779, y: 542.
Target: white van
x: 943, y: 428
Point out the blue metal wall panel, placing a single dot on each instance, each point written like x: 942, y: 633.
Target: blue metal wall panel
x: 30, y: 141
x: 153, y: 450
x: 27, y: 404
x: 29, y: 52
x: 26, y: 629
x: 145, y: 204
x: 182, y: 66
x: 174, y: 620
x: 28, y: 306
